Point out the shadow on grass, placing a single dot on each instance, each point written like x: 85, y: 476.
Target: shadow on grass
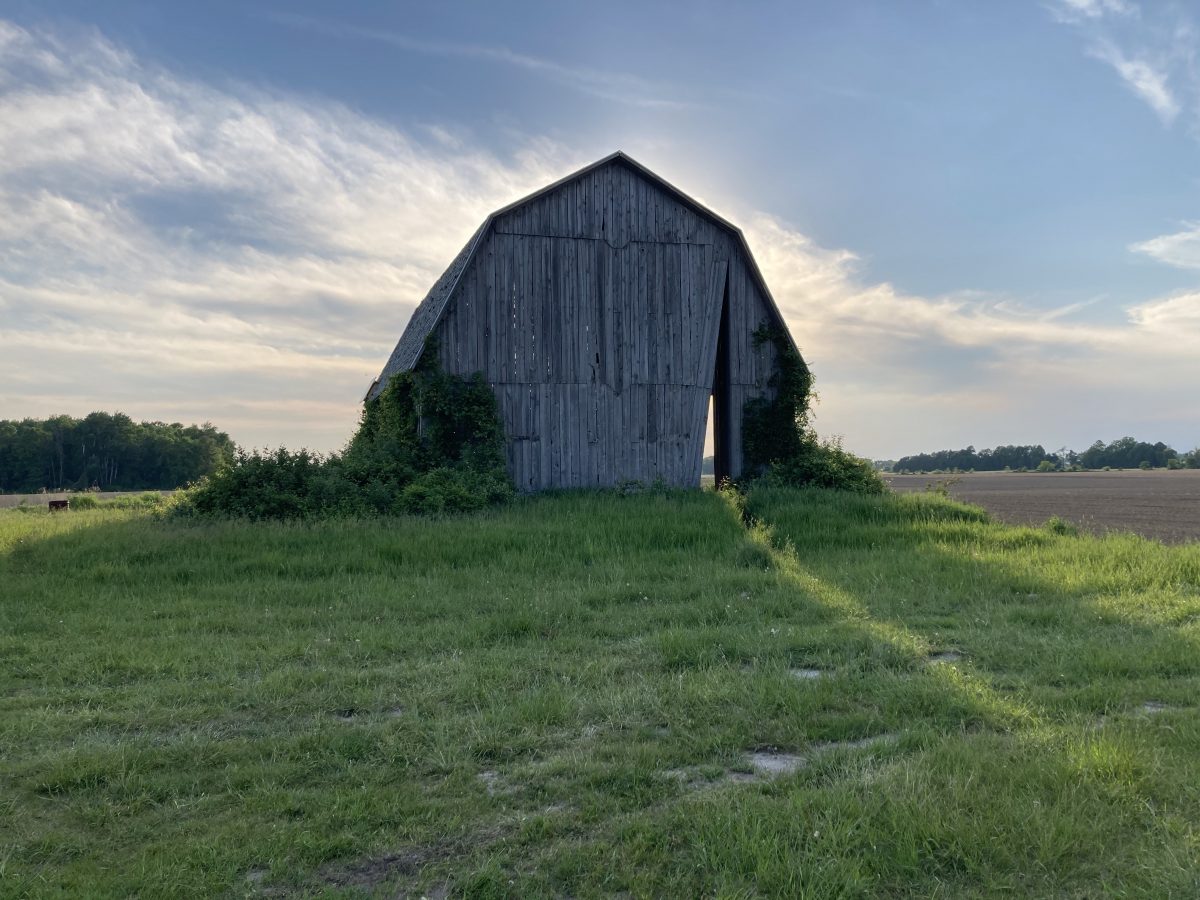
x: 1058, y: 615
x: 1072, y: 691
x: 220, y: 699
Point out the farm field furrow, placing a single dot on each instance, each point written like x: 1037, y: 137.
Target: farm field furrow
x: 1160, y: 504
x: 589, y: 695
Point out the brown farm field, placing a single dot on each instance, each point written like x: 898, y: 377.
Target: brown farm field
x: 1161, y: 504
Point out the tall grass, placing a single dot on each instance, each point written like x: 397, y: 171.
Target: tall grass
x: 557, y: 698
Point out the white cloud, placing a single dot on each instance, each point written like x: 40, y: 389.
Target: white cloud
x: 1145, y: 79
x: 898, y: 373
x: 1079, y: 10
x: 1181, y: 249
x: 1152, y: 49
x: 178, y: 251
x: 152, y: 228
x: 1177, y: 317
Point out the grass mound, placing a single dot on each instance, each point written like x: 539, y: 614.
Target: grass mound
x: 853, y: 695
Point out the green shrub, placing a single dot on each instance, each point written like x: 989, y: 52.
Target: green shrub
x: 826, y: 464
x: 451, y: 490
x: 84, y: 501
x: 1047, y: 466
x: 776, y: 429
x: 275, y: 484
x: 429, y: 443
x: 778, y: 442
x: 1059, y: 525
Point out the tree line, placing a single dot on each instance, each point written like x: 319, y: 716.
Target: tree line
x: 1123, y: 453
x: 108, y: 451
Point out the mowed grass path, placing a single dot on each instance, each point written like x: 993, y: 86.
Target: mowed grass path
x: 561, y: 698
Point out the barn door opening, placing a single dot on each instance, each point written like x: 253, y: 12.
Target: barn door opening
x: 723, y: 427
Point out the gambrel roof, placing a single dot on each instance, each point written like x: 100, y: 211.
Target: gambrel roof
x: 427, y: 315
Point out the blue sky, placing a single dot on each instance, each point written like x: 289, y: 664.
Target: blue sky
x: 980, y: 220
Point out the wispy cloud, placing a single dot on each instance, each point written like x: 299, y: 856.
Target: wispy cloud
x: 1148, y: 81
x: 174, y: 249
x: 1083, y: 10
x: 898, y: 371
x: 1152, y: 49
x: 619, y: 87
x: 161, y: 240
x: 1180, y: 249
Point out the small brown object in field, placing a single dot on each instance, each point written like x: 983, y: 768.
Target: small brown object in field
x: 56, y: 505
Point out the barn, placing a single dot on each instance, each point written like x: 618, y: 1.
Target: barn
x: 605, y: 311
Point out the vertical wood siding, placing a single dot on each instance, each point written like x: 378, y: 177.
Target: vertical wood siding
x: 593, y: 312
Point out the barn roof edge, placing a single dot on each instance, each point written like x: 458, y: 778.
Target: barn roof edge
x: 409, y: 347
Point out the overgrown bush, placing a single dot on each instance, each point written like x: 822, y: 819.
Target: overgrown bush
x: 429, y: 443
x: 826, y: 464
x: 1059, y: 525
x: 776, y: 429
x: 779, y: 442
x: 278, y: 484
x: 455, y: 490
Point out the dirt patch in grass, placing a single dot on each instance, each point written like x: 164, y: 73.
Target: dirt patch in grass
x: 493, y: 783
x: 767, y: 763
x: 378, y: 870
x: 402, y: 868
x: 945, y: 656
x: 807, y: 674
x: 773, y: 763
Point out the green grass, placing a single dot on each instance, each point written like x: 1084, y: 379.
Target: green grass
x: 557, y: 698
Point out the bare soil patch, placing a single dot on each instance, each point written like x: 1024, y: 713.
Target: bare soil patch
x: 945, y: 656
x: 808, y: 674
x: 1161, y: 504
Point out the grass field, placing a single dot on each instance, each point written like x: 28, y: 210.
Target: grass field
x: 591, y: 695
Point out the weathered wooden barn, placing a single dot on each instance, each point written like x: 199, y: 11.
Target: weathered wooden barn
x: 604, y: 310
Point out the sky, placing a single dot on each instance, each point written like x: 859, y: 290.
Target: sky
x: 981, y: 221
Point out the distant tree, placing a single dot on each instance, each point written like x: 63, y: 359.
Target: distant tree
x: 995, y: 460
x: 1127, y: 453
x: 107, y: 450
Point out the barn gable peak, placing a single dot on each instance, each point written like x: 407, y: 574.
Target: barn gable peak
x: 620, y: 157
x: 430, y: 311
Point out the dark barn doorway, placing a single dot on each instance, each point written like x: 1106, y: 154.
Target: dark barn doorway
x: 722, y: 398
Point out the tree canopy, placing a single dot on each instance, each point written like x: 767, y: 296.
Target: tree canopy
x: 109, y: 451
x: 1123, y: 453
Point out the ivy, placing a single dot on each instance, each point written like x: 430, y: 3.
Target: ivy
x: 427, y: 419
x: 773, y: 429
x: 429, y: 442
x: 777, y: 438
